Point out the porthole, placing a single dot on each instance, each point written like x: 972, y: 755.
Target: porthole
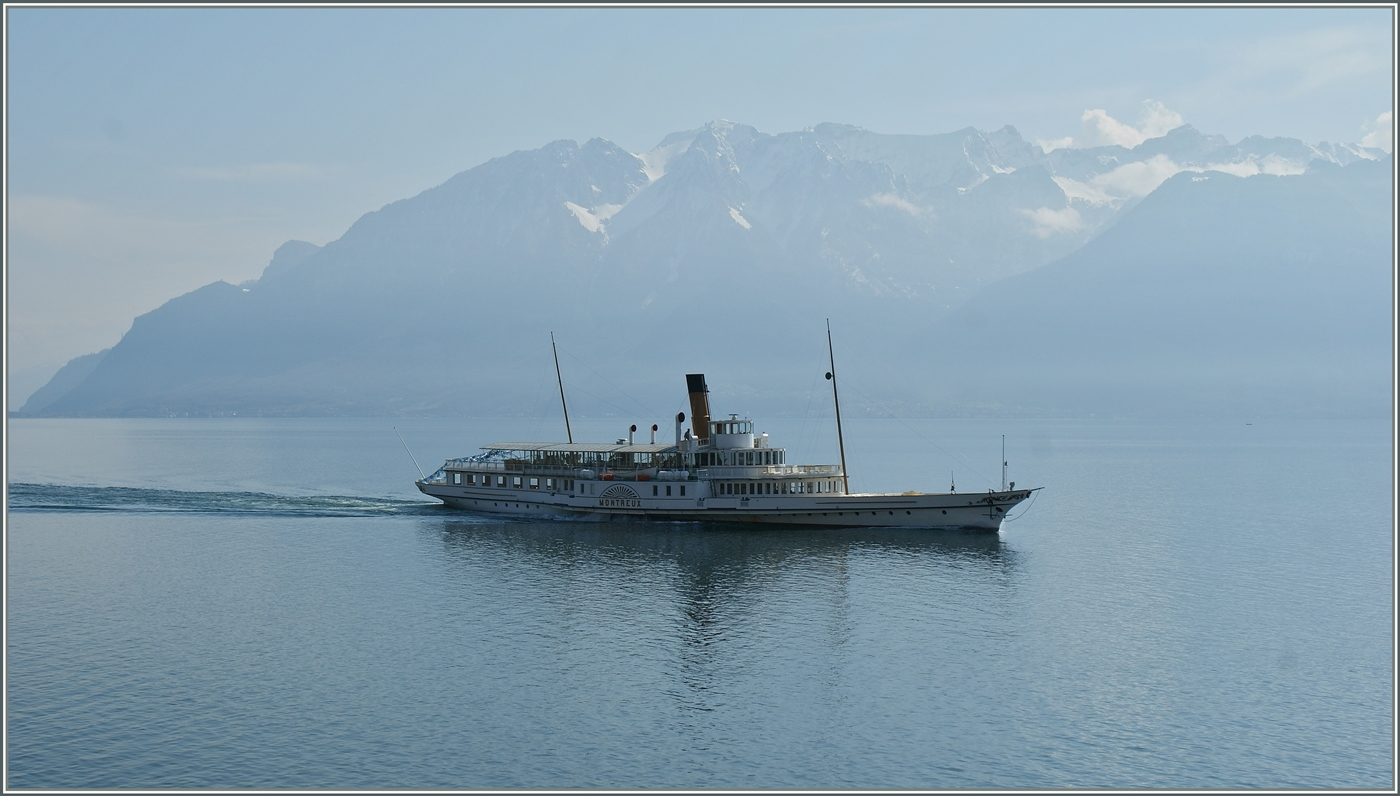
x: 945, y: 511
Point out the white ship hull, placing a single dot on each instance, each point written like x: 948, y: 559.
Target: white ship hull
x: 966, y: 511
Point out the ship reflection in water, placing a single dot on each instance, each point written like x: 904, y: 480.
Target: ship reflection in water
x: 721, y: 624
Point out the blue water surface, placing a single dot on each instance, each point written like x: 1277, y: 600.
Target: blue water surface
x: 258, y: 603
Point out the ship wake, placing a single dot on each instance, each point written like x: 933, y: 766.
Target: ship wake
x: 64, y: 498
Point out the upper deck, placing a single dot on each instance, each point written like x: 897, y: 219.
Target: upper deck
x: 691, y: 459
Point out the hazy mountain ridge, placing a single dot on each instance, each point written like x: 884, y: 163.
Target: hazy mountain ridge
x: 715, y: 239
x: 1259, y: 295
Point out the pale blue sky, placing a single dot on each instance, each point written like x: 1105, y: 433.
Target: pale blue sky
x: 151, y: 151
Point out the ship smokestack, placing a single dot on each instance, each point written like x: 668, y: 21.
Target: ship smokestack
x: 699, y: 405
x: 630, y: 432
x: 680, y: 418
x: 653, y: 433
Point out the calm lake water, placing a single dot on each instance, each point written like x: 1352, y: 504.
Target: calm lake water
x: 249, y: 603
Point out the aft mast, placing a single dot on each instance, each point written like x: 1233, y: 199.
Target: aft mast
x: 560, y: 377
x: 840, y: 441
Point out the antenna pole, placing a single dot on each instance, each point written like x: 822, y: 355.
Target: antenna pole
x: 1003, y: 462
x: 560, y: 377
x: 840, y: 441
x: 410, y: 453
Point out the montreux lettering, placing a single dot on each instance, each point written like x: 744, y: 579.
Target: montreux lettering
x: 619, y: 497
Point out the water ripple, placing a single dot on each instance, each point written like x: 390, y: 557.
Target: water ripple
x: 64, y: 498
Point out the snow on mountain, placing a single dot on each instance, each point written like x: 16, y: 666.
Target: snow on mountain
x: 738, y: 236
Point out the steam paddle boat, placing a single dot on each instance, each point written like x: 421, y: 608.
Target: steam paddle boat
x: 718, y: 470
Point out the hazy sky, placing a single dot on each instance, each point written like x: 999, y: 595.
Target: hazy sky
x: 151, y: 151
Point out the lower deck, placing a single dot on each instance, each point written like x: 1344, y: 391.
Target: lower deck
x: 679, y: 502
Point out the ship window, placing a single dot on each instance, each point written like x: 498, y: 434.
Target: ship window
x: 549, y: 483
x: 682, y: 491
x: 500, y: 480
x: 668, y: 491
x: 456, y: 478
x: 653, y: 490
x: 515, y: 481
x: 534, y: 483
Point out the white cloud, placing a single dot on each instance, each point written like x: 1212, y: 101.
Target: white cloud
x: 1046, y: 222
x: 1281, y: 166
x: 1244, y: 168
x: 1141, y: 178
x: 1158, y: 120
x: 1136, y: 179
x: 1097, y: 128
x: 1100, y: 129
x: 1055, y: 143
x: 1273, y: 164
x: 1379, y: 133
x: 890, y: 200
x: 738, y: 219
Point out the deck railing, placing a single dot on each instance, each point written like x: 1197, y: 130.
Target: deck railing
x: 776, y: 471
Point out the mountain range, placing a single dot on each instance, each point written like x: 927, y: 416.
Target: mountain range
x: 964, y: 272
